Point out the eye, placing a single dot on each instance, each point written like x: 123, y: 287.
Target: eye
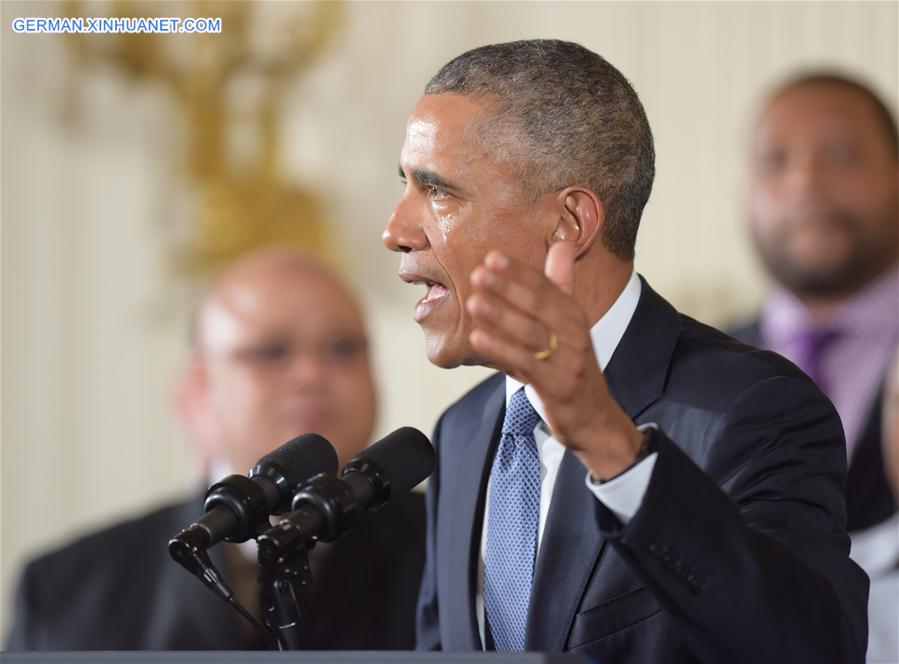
x: 436, y: 193
x: 269, y: 353
x: 263, y: 355
x: 771, y: 162
x: 345, y: 349
x: 841, y: 154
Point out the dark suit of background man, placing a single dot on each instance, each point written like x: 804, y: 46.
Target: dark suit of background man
x: 823, y: 209
x: 280, y: 349
x: 658, y: 492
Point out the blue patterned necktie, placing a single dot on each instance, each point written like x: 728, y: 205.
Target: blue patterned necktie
x: 513, y: 519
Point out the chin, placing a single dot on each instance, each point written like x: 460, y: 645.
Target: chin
x: 446, y: 355
x: 440, y: 358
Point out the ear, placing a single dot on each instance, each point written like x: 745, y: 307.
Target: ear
x: 191, y: 399
x: 581, y: 217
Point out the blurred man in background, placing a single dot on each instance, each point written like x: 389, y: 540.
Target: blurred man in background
x: 280, y: 349
x: 823, y: 207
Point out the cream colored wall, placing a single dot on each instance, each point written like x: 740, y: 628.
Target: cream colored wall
x: 92, y: 327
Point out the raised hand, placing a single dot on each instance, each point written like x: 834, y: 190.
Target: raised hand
x: 528, y: 324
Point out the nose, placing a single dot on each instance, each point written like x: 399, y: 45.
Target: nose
x: 306, y: 370
x: 403, y: 231
x: 806, y: 174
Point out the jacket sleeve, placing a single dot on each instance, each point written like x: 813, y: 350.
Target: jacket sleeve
x: 755, y: 569
x: 22, y: 634
x: 427, y: 623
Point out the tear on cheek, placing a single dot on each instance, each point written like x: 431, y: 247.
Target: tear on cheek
x: 445, y: 223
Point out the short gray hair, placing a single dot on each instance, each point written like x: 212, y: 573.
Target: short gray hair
x: 567, y: 117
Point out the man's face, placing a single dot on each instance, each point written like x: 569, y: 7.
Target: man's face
x: 458, y: 204
x: 824, y: 191
x: 284, y: 354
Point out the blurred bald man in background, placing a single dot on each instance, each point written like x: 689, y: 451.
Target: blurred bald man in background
x: 823, y: 210
x: 280, y: 349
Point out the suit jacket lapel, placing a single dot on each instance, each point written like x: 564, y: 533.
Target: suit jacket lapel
x: 570, y: 547
x: 638, y: 370
x: 477, y: 437
x: 572, y: 542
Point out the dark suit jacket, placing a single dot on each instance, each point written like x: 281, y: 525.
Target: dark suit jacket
x: 738, y: 552
x: 869, y: 499
x: 118, y: 589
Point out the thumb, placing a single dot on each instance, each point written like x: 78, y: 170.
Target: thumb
x: 559, y: 266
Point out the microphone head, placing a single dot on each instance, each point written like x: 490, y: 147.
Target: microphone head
x: 295, y: 462
x: 406, y: 458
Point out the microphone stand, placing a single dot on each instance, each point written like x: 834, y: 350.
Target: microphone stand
x: 281, y: 579
x: 323, y: 507
x: 189, y: 550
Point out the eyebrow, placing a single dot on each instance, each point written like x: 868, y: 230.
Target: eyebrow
x: 428, y: 179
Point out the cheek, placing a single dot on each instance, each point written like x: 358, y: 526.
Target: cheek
x: 446, y: 217
x: 867, y: 194
x: 239, y: 397
x: 356, y: 392
x: 765, y: 213
x: 765, y: 200
x: 353, y: 399
x: 459, y: 247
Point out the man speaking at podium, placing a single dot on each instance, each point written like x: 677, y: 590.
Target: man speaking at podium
x: 633, y: 485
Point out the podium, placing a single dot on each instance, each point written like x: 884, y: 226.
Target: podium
x: 297, y: 657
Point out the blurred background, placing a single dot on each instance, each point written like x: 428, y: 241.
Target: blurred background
x: 133, y: 166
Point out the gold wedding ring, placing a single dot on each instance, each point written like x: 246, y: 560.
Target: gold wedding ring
x: 553, y: 344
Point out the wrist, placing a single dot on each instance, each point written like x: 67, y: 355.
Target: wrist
x: 618, y: 451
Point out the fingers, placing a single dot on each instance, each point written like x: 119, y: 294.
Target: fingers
x: 560, y: 265
x: 493, y: 313
x: 511, y: 357
x: 527, y: 290
x: 516, y: 311
x: 519, y: 361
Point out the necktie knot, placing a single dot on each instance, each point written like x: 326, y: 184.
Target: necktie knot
x: 816, y: 339
x: 814, y: 343
x: 521, y: 418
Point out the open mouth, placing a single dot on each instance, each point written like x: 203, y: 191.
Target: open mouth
x: 435, y: 293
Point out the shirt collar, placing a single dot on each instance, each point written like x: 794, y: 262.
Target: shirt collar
x: 870, y: 312
x: 606, y: 334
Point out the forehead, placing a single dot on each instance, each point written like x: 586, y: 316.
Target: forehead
x: 446, y: 130
x: 455, y: 137
x: 447, y: 118
x: 285, y: 302
x: 819, y: 110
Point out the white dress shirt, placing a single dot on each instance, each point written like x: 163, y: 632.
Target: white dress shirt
x: 876, y: 550
x: 621, y: 495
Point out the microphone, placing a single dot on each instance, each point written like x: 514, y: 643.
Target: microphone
x: 325, y: 507
x: 238, y: 506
